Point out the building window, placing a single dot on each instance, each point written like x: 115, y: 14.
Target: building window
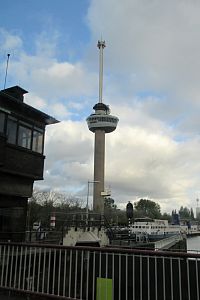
x: 22, y: 134
x: 37, y: 145
x: 24, y: 137
x: 2, y: 121
x: 11, y: 130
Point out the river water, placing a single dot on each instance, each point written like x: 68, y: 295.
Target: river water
x: 193, y: 244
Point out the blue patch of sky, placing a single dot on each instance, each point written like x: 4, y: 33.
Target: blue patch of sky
x: 177, y: 122
x: 144, y: 94
x: 180, y: 138
x: 28, y: 19
x: 75, y: 191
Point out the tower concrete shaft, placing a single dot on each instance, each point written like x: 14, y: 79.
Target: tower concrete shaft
x: 99, y: 166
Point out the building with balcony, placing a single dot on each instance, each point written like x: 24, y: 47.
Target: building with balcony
x: 22, y: 130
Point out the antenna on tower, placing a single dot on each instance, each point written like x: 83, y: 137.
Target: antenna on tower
x: 8, y: 56
x: 197, y: 202
x: 101, y: 45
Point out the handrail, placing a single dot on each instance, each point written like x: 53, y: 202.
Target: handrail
x: 107, y: 250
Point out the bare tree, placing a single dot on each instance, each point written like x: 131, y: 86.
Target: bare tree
x: 43, y: 204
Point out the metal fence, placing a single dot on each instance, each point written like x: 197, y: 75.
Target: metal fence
x: 99, y: 273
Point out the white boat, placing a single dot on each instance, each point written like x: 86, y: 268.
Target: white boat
x: 155, y: 229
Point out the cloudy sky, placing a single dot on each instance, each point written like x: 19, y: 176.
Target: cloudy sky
x: 151, y: 82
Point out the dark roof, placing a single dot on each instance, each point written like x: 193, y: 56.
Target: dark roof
x: 15, y: 91
x: 14, y: 102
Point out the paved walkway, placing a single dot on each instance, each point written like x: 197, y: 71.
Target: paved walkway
x: 5, y: 296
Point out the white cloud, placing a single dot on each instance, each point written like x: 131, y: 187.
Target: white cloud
x: 35, y: 101
x: 9, y: 42
x: 139, y: 163
x: 51, y: 78
x: 60, y: 110
x: 46, y: 44
x: 68, y: 142
x: 68, y: 164
x: 152, y: 84
x: 153, y: 45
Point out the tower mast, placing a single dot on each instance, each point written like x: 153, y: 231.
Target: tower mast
x: 101, y: 45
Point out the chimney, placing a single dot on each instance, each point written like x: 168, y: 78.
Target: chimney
x: 15, y: 91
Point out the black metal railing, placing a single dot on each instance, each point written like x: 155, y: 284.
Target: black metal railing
x: 97, y: 273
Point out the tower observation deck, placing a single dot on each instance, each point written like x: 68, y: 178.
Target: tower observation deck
x: 100, y: 122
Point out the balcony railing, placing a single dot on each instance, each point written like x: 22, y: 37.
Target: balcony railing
x: 98, y: 273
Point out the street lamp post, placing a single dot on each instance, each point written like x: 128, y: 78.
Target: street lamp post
x: 88, y: 192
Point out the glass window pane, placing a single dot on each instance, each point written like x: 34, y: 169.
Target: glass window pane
x: 2, y: 121
x: 37, y: 141
x: 24, y: 137
x: 11, y: 130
